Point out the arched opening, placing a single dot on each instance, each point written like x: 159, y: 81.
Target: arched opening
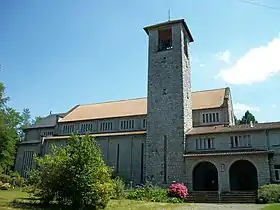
x: 205, y: 177
x: 243, y: 176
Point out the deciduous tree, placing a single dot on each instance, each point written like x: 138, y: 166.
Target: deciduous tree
x: 74, y: 175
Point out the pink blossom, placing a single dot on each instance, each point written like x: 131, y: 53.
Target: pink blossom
x: 178, y: 190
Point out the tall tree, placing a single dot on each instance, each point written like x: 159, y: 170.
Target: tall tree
x: 247, y: 118
x: 37, y: 119
x: 10, y: 121
x: 26, y: 118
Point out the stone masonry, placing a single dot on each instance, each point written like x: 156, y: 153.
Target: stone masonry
x: 169, y: 107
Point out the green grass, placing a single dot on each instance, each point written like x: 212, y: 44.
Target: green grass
x: 275, y: 206
x: 15, y: 199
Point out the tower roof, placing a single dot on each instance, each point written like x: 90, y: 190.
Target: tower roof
x: 170, y: 22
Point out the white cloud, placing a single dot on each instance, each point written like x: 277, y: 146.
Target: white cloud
x: 273, y: 106
x: 223, y: 56
x: 256, y: 65
x: 238, y: 107
x: 201, y: 65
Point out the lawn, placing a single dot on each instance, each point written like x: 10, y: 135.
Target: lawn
x: 272, y: 207
x: 7, y: 198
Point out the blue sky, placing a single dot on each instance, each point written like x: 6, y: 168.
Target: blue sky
x: 57, y: 54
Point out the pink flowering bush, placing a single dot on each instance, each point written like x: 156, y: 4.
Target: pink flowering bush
x: 178, y: 191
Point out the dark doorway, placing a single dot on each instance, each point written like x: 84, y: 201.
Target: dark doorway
x: 205, y: 177
x: 243, y: 176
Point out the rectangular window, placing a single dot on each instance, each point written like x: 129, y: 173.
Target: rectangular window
x: 86, y: 127
x: 217, y: 117
x: 277, y: 172
x: 204, y: 143
x: 142, y: 163
x: 127, y: 124
x: 144, y: 123
x: 27, y: 163
x: 48, y: 133
x: 105, y: 126
x: 165, y: 158
x: 210, y: 117
x: 164, y: 39
x: 67, y: 129
x: 203, y: 118
x: 186, y: 46
x: 275, y: 139
x: 240, y: 141
x: 118, y: 159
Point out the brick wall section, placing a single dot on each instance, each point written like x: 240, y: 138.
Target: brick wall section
x: 169, y: 114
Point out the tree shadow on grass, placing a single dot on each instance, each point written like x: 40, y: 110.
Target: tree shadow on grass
x: 35, y: 204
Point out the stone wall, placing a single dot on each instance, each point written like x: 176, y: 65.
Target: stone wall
x: 223, y: 163
x: 122, y: 153
x: 22, y: 148
x: 169, y: 108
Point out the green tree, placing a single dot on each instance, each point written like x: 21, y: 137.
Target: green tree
x: 237, y: 122
x: 37, y: 119
x: 73, y: 175
x: 26, y: 118
x: 9, y: 124
x: 248, y: 116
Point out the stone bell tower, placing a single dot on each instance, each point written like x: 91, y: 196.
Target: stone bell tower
x: 169, y: 114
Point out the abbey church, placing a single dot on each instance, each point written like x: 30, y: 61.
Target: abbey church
x: 173, y: 134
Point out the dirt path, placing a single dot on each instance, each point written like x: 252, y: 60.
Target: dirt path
x: 205, y: 206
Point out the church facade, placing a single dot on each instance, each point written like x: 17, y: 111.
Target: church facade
x: 173, y: 135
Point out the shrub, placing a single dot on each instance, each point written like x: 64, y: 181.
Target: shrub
x: 5, y: 178
x: 269, y: 193
x: 14, y: 180
x: 178, y: 191
x: 74, y: 175
x: 151, y: 193
x: 148, y: 194
x: 119, y: 188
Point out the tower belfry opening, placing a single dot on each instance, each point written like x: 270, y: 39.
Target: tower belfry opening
x: 165, y: 39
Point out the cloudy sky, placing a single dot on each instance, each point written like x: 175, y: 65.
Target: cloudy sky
x: 56, y: 54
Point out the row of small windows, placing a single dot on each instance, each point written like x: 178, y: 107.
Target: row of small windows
x: 127, y: 124
x: 204, y: 143
x: 210, y: 117
x: 240, y: 141
x: 103, y: 126
x: 68, y: 129
x: 106, y: 126
x: 48, y: 133
x: 86, y: 127
x: 235, y: 141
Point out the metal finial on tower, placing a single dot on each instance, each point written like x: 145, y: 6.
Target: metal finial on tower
x: 168, y: 14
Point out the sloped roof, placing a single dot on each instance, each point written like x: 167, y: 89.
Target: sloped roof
x: 99, y: 135
x: 48, y: 121
x: 233, y: 128
x: 226, y: 153
x: 170, y: 22
x: 200, y: 100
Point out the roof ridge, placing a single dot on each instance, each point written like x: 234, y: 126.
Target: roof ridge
x: 113, y: 101
x: 209, y: 90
